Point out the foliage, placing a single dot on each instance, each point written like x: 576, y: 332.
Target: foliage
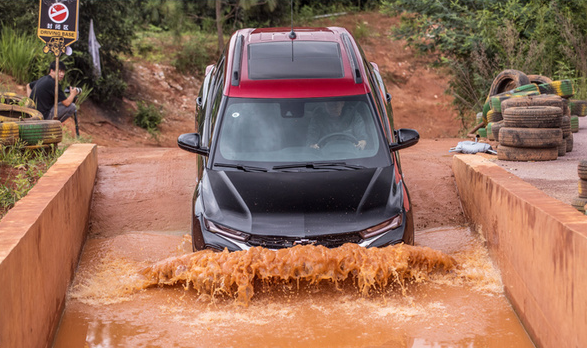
x: 22, y: 168
x: 479, y: 38
x: 148, y: 117
x: 21, y: 55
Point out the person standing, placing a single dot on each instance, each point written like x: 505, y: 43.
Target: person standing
x: 42, y: 92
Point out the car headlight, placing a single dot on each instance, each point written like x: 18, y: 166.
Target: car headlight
x: 226, y: 231
x: 383, y: 227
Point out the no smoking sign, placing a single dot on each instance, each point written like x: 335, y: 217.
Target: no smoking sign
x: 58, y: 13
x: 58, y: 24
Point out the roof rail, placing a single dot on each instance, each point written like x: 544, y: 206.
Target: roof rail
x: 352, y: 58
x: 236, y: 61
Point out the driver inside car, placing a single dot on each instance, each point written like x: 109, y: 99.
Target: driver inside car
x: 336, y: 118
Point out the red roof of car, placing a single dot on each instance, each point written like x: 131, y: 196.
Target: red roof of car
x: 289, y: 85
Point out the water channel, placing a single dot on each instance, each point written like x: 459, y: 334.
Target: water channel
x: 146, y: 289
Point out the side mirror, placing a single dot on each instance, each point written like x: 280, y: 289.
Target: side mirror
x: 191, y: 142
x: 405, y: 138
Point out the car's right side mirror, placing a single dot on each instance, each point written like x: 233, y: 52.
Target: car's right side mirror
x: 191, y: 142
x: 405, y: 138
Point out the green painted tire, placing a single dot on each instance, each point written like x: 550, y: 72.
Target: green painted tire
x: 40, y: 132
x: 575, y: 124
x: 578, y: 107
x: 563, y: 88
x: 482, y: 132
x: 8, y: 133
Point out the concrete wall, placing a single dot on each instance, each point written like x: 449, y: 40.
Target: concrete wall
x: 539, y: 244
x: 40, y: 243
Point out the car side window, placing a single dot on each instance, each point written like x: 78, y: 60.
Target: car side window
x: 384, y: 117
x: 212, y: 103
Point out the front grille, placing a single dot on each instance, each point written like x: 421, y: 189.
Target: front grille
x: 329, y: 241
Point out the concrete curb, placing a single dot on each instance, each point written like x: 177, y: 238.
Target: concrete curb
x: 539, y: 244
x: 40, y: 242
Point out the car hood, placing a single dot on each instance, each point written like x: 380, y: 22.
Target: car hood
x: 301, y: 204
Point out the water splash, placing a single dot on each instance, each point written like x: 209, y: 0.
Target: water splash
x: 235, y: 273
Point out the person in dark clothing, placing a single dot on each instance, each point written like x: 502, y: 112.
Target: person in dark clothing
x: 42, y: 91
x: 336, y: 118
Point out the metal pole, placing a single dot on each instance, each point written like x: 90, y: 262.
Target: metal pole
x: 56, y: 87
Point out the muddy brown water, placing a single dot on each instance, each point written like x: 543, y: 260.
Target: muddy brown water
x: 146, y: 289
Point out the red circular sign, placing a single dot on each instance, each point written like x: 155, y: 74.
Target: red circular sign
x: 58, y: 13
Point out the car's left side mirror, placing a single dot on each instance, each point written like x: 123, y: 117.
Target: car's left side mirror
x: 191, y: 143
x: 405, y: 138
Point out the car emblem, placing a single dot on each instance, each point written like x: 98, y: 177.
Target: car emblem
x: 305, y: 241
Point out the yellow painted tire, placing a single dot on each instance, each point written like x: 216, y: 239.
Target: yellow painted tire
x: 15, y: 112
x: 10, y: 98
x: 8, y: 133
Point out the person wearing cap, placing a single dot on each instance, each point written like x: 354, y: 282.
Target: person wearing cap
x: 42, y: 92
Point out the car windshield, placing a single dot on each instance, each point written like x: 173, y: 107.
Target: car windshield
x: 273, y: 132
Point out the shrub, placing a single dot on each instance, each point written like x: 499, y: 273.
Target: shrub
x: 194, y: 56
x: 148, y: 117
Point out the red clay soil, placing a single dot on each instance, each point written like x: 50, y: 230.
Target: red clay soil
x: 418, y: 100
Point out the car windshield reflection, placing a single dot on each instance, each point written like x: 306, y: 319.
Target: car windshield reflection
x: 277, y: 131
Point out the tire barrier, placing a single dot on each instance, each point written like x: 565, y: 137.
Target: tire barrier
x: 533, y: 117
x: 508, y: 153
x: 578, y: 107
x: 539, y: 79
x: 11, y: 113
x: 40, y: 132
x: 508, y: 80
x: 10, y: 98
x: 574, y: 120
x: 531, y: 137
x: 580, y: 201
x: 8, y: 133
x: 563, y: 88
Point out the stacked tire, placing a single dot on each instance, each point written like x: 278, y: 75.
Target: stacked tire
x: 580, y: 202
x: 531, y: 130
x: 8, y: 133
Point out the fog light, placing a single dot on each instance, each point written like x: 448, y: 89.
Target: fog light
x: 383, y: 227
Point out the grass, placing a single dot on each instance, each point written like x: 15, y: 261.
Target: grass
x: 20, y: 169
x: 21, y: 55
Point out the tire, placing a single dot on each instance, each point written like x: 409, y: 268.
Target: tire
x: 531, y: 137
x: 508, y: 153
x: 40, y: 132
x: 15, y: 112
x: 534, y: 100
x: 489, y: 130
x: 563, y: 88
x: 579, y: 204
x: 494, y: 116
x: 566, y: 126
x: 569, y: 141
x: 533, y: 117
x: 482, y: 132
x: 507, y: 80
x: 574, y: 124
x: 539, y: 79
x: 582, y: 188
x: 562, y: 148
x: 495, y: 129
x: 582, y: 170
x: 496, y: 101
x: 10, y: 98
x: 578, y: 107
x: 8, y: 133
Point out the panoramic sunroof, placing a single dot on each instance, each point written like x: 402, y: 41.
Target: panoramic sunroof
x: 311, y: 59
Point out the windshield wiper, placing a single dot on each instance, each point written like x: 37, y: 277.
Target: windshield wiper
x: 244, y: 168
x: 320, y: 165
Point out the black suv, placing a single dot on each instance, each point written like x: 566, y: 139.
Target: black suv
x: 297, y: 146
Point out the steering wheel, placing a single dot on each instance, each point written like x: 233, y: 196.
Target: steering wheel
x: 337, y: 136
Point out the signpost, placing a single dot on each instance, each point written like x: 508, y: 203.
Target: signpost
x: 58, y: 28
